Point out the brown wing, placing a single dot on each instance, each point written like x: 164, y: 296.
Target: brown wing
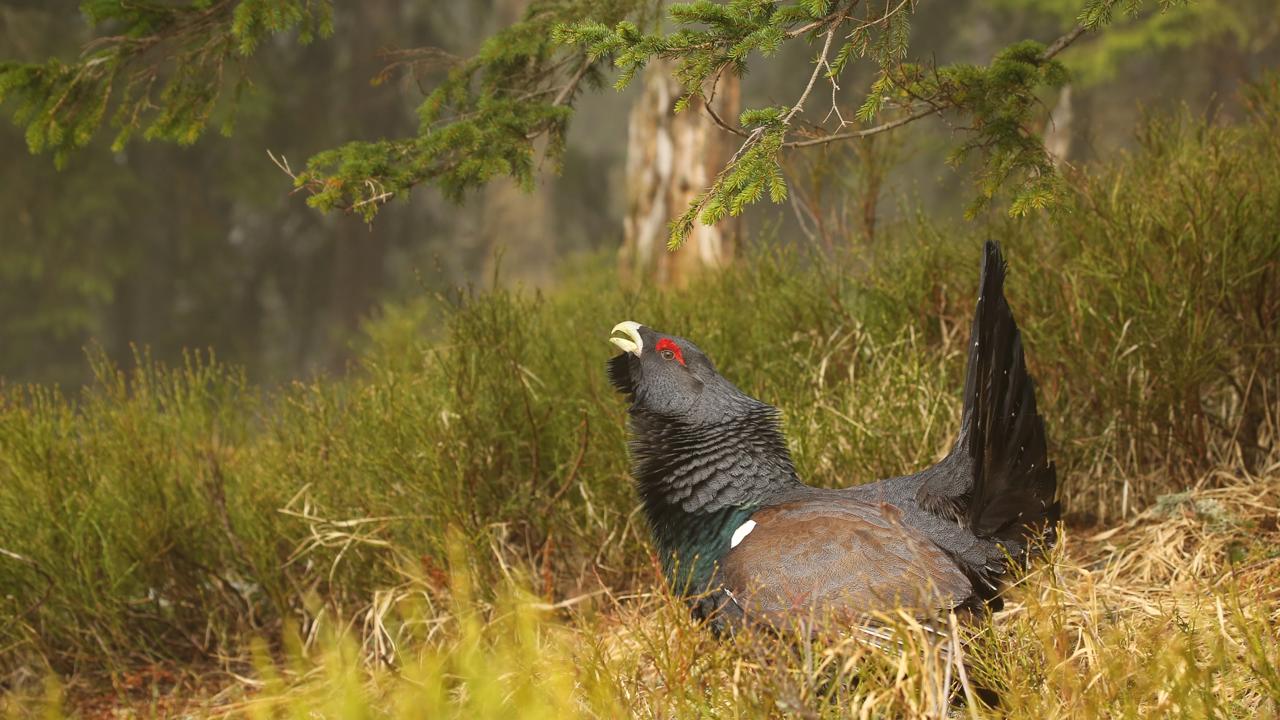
x: 846, y: 558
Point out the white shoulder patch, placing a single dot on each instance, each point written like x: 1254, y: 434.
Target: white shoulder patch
x: 743, y: 530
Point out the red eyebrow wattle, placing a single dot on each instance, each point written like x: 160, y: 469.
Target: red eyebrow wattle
x: 668, y: 344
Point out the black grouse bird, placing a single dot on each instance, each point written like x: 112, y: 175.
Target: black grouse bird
x: 735, y: 525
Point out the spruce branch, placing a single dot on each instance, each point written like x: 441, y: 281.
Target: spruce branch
x: 1053, y: 50
x: 1007, y: 144
x: 999, y: 101
x: 166, y: 74
x: 866, y: 132
x: 817, y: 70
x: 507, y: 108
x: 495, y: 114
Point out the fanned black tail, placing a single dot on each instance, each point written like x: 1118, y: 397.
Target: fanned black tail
x: 1009, y: 493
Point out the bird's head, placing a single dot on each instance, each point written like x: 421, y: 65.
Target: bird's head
x: 704, y: 454
x: 669, y: 376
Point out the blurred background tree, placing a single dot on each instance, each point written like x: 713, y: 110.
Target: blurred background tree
x: 171, y: 247
x: 671, y: 158
x: 203, y: 246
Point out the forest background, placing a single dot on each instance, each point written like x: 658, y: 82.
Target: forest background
x: 171, y: 247
x: 272, y: 445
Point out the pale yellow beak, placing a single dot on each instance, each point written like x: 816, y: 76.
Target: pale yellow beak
x: 632, y: 343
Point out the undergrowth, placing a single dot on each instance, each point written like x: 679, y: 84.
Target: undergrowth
x: 450, y: 529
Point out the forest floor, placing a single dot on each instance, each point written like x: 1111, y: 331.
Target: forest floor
x: 1173, y: 612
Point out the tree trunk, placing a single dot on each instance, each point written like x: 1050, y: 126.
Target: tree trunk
x: 1057, y: 136
x: 670, y: 160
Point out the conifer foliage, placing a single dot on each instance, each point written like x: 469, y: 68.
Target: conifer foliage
x: 169, y: 69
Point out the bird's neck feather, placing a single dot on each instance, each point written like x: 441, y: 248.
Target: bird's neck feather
x: 699, y: 483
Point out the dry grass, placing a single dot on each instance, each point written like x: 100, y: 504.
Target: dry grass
x: 1174, y: 613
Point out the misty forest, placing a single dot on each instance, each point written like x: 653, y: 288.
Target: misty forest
x: 637, y: 358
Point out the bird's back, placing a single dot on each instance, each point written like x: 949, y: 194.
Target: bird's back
x: 988, y: 502
x: 830, y: 555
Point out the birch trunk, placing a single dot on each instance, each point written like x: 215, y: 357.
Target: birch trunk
x: 1057, y: 136
x: 670, y: 160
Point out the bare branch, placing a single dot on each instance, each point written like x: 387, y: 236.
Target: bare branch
x: 1062, y: 43
x: 1049, y: 53
x: 817, y: 70
x: 866, y: 132
x: 710, y: 97
x: 756, y: 134
x: 934, y: 105
x: 721, y: 123
x: 567, y: 91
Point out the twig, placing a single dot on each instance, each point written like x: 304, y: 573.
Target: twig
x: 756, y: 134
x: 1062, y: 43
x: 835, y: 20
x: 723, y: 125
x: 885, y: 127
x: 1049, y: 53
x: 574, y: 81
x: 817, y: 69
x: 797, y: 32
x: 800, y: 218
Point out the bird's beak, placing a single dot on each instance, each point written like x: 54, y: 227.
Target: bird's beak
x: 632, y: 343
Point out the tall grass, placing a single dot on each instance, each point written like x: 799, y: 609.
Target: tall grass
x: 1151, y: 303
x: 1172, y: 614
x: 458, y: 507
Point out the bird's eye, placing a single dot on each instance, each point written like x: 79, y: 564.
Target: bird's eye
x: 668, y: 350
